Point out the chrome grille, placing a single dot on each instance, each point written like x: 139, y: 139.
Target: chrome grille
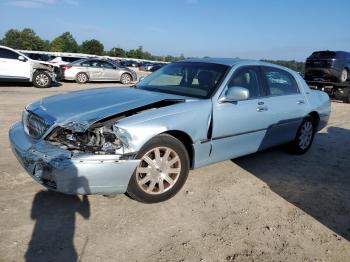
x: 34, y: 125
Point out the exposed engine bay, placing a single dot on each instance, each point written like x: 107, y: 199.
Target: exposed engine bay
x: 100, y: 140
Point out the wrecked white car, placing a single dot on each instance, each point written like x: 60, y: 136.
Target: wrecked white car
x: 17, y: 67
x: 144, y: 140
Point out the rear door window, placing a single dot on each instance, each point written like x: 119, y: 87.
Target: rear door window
x: 279, y: 82
x: 85, y: 63
x: 106, y: 65
x: 8, y: 54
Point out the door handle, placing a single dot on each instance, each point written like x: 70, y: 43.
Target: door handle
x: 261, y: 108
x: 300, y: 102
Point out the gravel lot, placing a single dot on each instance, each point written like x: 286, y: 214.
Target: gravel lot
x: 269, y: 206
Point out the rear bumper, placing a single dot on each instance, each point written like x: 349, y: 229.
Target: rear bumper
x: 322, y: 73
x: 66, y: 76
x: 57, y: 169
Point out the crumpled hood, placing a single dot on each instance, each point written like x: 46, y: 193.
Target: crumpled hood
x: 43, y: 63
x: 86, y: 107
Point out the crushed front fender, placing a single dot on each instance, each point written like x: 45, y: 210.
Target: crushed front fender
x: 60, y: 170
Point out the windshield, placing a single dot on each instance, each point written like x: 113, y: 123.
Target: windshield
x: 323, y: 54
x: 186, y: 78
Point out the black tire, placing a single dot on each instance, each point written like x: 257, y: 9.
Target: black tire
x: 136, y: 189
x: 343, y: 75
x: 125, y: 79
x: 296, y: 146
x: 81, y: 78
x: 41, y: 79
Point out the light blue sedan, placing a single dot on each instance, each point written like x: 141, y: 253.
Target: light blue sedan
x: 144, y: 140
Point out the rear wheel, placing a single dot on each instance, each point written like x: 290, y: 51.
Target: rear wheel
x: 304, y: 137
x: 125, y: 79
x: 343, y: 76
x: 82, y: 78
x: 162, y: 171
x: 41, y: 79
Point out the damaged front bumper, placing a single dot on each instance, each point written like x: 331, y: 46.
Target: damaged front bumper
x: 61, y: 170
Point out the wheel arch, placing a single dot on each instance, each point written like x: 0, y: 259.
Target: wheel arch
x: 315, y: 118
x: 186, y: 140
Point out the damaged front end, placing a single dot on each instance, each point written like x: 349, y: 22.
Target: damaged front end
x: 93, y: 156
x: 52, y: 70
x: 72, y: 167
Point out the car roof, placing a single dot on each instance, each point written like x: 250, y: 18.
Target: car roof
x: 231, y: 61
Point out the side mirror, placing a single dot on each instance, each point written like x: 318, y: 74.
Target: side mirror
x: 234, y: 94
x: 22, y: 58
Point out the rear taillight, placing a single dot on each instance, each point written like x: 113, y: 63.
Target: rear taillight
x: 66, y: 67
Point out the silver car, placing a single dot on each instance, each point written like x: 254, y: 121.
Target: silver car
x: 186, y: 115
x: 85, y: 70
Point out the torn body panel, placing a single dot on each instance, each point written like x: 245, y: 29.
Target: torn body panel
x: 191, y: 118
x: 42, y: 66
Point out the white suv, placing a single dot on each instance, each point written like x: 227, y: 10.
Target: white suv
x: 17, y: 67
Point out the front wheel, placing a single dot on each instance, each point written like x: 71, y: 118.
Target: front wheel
x: 162, y: 171
x: 125, y: 79
x: 41, y: 79
x: 304, y: 137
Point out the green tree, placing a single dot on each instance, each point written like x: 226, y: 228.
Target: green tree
x: 117, y: 52
x: 169, y: 58
x: 64, y: 43
x: 93, y: 47
x: 24, y: 40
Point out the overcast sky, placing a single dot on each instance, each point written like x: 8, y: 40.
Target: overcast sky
x: 271, y: 29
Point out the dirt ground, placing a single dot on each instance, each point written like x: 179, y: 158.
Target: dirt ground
x: 269, y: 206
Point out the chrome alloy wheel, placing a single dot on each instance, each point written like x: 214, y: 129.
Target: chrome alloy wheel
x: 158, y: 171
x: 81, y: 78
x: 125, y: 79
x: 306, y: 133
x: 42, y: 79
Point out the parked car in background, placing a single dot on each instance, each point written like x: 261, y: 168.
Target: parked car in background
x: 146, y: 66
x: 155, y: 67
x: 65, y: 60
x: 186, y: 115
x: 328, y: 65
x: 129, y: 63
x: 38, y: 56
x: 17, y: 67
x: 92, y: 69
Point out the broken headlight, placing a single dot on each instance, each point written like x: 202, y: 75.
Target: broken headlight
x: 100, y: 140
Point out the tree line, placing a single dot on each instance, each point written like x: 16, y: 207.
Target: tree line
x: 292, y: 64
x: 27, y: 39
